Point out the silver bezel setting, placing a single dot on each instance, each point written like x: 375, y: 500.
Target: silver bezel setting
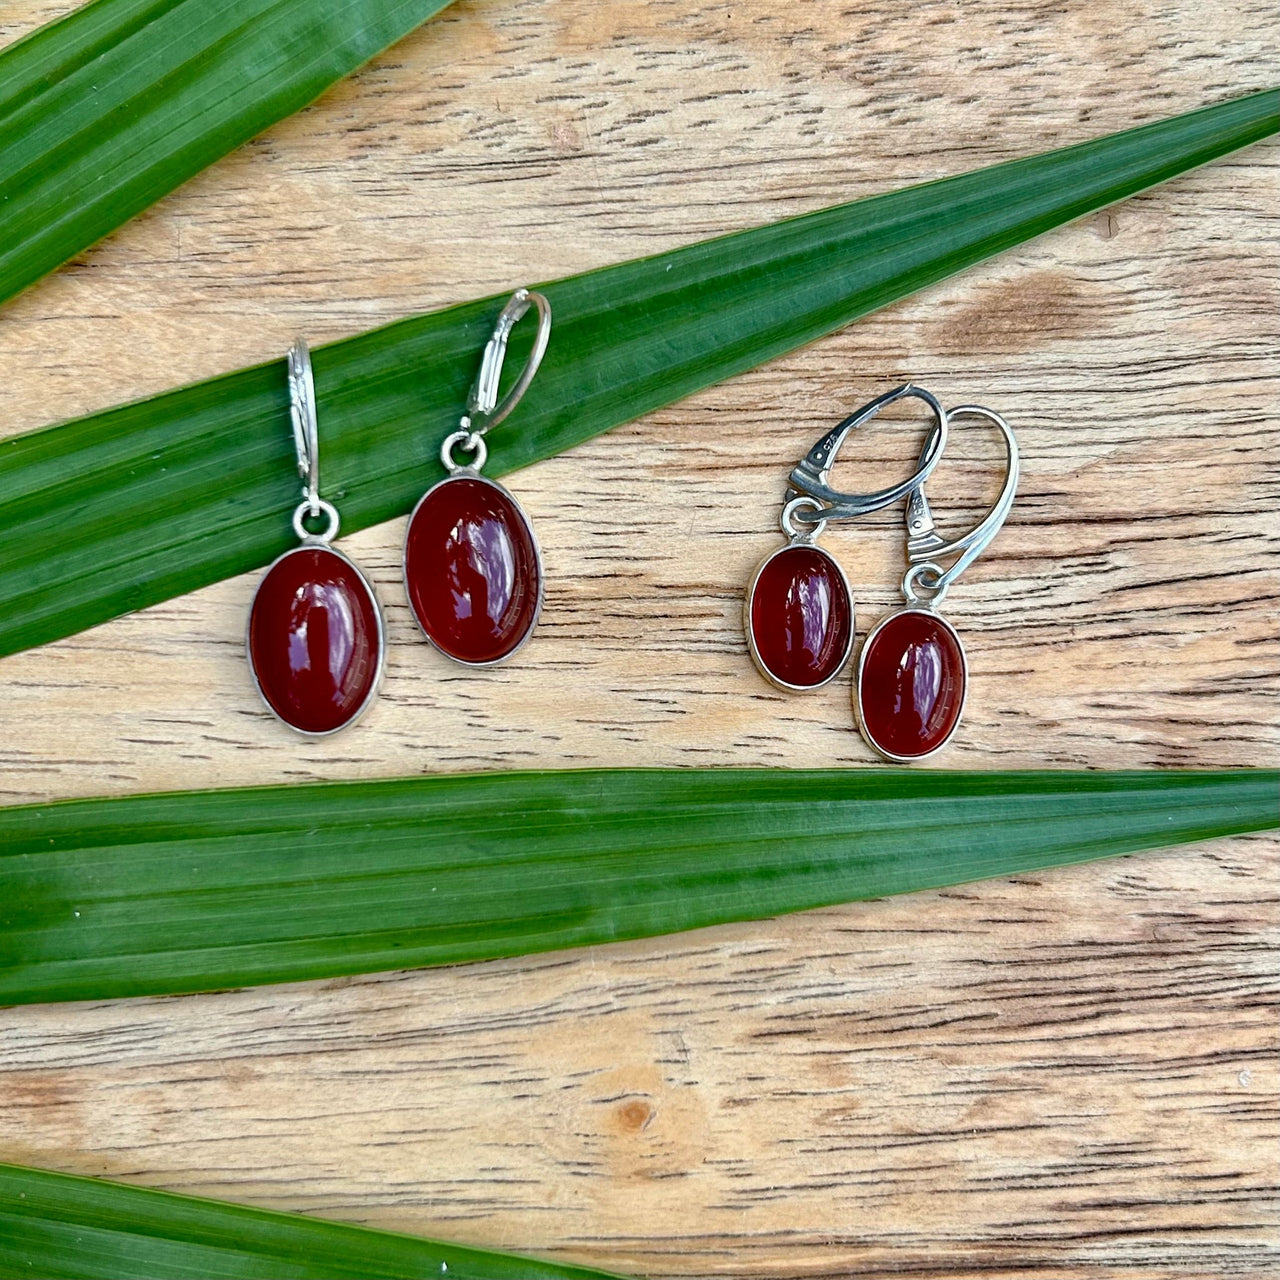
x: 314, y: 544
x: 469, y: 473
x: 857, y: 685
x: 750, y: 633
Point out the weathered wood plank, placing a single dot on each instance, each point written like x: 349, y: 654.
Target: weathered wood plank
x: 1071, y: 1076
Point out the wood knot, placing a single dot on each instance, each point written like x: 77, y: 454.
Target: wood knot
x: 635, y: 1115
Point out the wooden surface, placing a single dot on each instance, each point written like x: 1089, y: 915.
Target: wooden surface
x: 1067, y: 1076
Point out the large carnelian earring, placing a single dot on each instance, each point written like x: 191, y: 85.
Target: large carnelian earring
x: 913, y: 675
x: 799, y: 611
x: 315, y: 638
x: 472, y: 569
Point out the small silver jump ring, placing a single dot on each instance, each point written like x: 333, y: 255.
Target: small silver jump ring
x: 915, y: 578
x: 472, y: 442
x: 326, y: 509
x: 811, y: 529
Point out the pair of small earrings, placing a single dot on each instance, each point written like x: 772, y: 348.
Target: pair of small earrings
x: 913, y: 676
x: 472, y: 569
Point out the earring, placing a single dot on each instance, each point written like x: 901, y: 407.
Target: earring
x: 799, y: 611
x: 315, y: 638
x: 472, y: 569
x: 913, y: 675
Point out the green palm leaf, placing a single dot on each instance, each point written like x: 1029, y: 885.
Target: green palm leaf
x: 199, y: 890
x: 109, y: 109
x: 55, y: 1225
x: 132, y: 506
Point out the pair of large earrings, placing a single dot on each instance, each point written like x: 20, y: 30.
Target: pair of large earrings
x: 912, y: 676
x: 472, y: 570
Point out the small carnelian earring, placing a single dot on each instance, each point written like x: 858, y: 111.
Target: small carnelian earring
x: 315, y: 638
x: 799, y: 611
x: 472, y: 569
x: 913, y: 675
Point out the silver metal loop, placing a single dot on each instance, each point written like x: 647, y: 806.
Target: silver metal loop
x: 302, y: 413
x: 812, y: 476
x: 322, y: 508
x: 925, y: 545
x: 810, y: 531
x: 471, y: 441
x: 483, y: 410
x: 914, y: 582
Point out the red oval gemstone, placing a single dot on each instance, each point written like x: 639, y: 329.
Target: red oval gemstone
x: 911, y: 684
x: 471, y: 570
x: 801, y: 617
x: 315, y: 643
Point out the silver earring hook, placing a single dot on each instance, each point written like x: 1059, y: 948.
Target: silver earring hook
x: 306, y: 430
x: 306, y: 440
x: 483, y: 410
x: 482, y: 403
x: 812, y: 477
x: 925, y: 546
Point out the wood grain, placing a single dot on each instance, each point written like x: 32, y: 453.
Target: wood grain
x: 1072, y: 1075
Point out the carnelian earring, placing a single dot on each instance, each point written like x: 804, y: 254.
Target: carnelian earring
x: 800, y: 616
x: 472, y: 569
x: 315, y: 638
x: 913, y: 675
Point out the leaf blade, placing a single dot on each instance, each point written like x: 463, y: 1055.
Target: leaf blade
x: 54, y: 1224
x: 132, y: 506
x: 195, y: 891
x: 115, y: 105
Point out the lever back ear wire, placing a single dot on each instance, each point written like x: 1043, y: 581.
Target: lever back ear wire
x: 812, y: 476
x: 302, y: 413
x: 483, y: 410
x: 482, y: 403
x: 925, y: 546
x: 306, y: 441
